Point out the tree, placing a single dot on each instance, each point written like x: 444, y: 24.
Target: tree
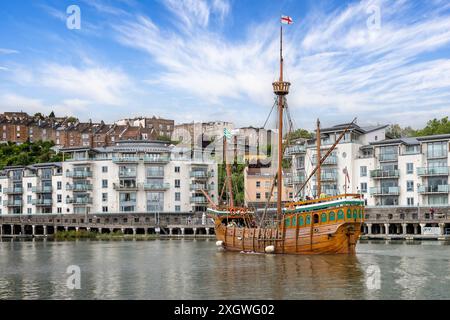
x: 299, y: 133
x: 27, y: 153
x: 396, y: 131
x: 435, y: 126
x: 51, y: 115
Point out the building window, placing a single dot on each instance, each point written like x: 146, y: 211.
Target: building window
x: 29, y: 211
x: 177, y: 196
x: 104, y: 169
x: 29, y: 186
x: 104, y: 183
x: 267, y: 195
x: 105, y: 209
x: 29, y: 199
x: 59, y: 198
x: 177, y: 208
x: 364, y: 187
x: 409, y: 185
x: 59, y: 210
x: 258, y: 184
x: 410, y: 201
x: 104, y: 197
x: 177, y: 169
x: 410, y: 168
x: 258, y: 195
x: 363, y: 171
x: 59, y: 185
x: 177, y: 183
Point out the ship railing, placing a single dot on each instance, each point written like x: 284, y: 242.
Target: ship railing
x: 337, y: 197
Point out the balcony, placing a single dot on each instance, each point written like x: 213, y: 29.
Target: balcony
x: 79, y: 187
x: 42, y: 202
x: 42, y: 189
x: 200, y: 174
x: 156, y: 186
x: 125, y: 159
x: 155, y: 173
x: 436, y: 189
x: 13, y: 203
x: 198, y: 187
x: 385, y: 191
x: 126, y: 187
x: 199, y: 200
x: 290, y: 151
x: 330, y: 161
x: 127, y: 174
x: 433, y: 171
x: 437, y: 154
x: 79, y: 201
x: 384, y: 174
x: 386, y: 157
x: 14, y: 190
x: 324, y: 177
x: 156, y: 159
x: 79, y: 174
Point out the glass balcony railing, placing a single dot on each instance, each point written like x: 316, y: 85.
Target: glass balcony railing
x: 381, y: 191
x: 13, y: 203
x: 200, y: 174
x: 198, y: 187
x: 156, y: 186
x: 155, y: 173
x: 156, y: 159
x: 42, y: 189
x: 127, y: 173
x: 331, y: 160
x: 79, y: 174
x: 435, y: 189
x: 84, y: 200
x: 128, y: 186
x: 124, y: 159
x: 294, y: 150
x: 381, y: 174
x: 199, y: 200
x: 433, y: 171
x: 13, y: 190
x: 388, y: 157
x: 328, y: 176
x: 437, y: 154
x: 42, y: 202
x: 79, y: 187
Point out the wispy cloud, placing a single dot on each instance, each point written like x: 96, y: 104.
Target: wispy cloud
x: 8, y: 51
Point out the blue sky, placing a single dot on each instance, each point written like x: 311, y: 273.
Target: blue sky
x: 382, y: 61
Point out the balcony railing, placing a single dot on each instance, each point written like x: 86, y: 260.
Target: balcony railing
x: 328, y: 176
x: 198, y: 187
x: 199, y: 200
x: 42, y: 189
x: 437, y: 154
x: 382, y: 174
x: 42, y: 202
x: 127, y: 174
x: 388, y: 157
x: 125, y: 159
x: 200, y: 174
x: 433, y: 171
x: 14, y: 190
x: 13, y: 203
x: 79, y: 187
x: 83, y: 200
x: 155, y: 173
x: 385, y: 191
x: 125, y: 187
x: 156, y: 159
x: 295, y: 150
x: 331, y: 160
x: 79, y: 174
x: 156, y: 186
x: 434, y: 189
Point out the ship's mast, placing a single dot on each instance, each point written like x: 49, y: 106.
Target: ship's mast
x: 281, y: 89
x: 228, y: 171
x: 318, y: 172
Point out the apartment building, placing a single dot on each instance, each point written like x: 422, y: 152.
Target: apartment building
x: 132, y: 176
x: 157, y: 126
x: 388, y: 172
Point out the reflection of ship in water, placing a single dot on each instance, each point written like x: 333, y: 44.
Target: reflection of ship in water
x: 260, y: 276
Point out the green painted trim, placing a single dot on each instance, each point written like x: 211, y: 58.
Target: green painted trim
x: 325, y: 206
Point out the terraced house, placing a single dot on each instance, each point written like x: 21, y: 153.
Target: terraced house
x: 132, y: 176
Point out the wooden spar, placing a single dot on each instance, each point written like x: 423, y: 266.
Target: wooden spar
x: 208, y: 198
x: 268, y: 201
x: 325, y: 156
x: 318, y: 173
x: 228, y: 170
x: 280, y: 134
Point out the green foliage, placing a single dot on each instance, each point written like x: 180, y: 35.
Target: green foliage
x: 435, y: 126
x: 27, y: 153
x: 395, y: 131
x: 72, y: 119
x: 237, y: 179
x: 167, y: 139
x: 299, y: 133
x: 51, y: 115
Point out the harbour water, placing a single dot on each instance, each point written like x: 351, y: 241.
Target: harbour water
x: 195, y: 269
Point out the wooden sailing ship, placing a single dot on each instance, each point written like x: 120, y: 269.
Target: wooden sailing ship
x: 325, y: 225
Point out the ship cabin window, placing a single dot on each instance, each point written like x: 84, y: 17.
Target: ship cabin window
x: 316, y: 218
x: 300, y: 221
x: 323, y: 217
x: 332, y: 216
x: 294, y: 221
x: 340, y: 215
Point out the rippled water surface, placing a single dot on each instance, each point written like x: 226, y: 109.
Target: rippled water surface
x: 195, y: 269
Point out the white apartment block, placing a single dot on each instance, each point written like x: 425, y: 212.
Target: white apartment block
x: 388, y: 172
x: 130, y: 177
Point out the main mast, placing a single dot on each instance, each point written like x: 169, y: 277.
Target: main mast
x: 281, y: 89
x: 318, y: 173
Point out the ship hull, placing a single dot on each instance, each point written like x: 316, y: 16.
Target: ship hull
x: 326, y: 233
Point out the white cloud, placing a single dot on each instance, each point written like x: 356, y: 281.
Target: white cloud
x: 8, y: 51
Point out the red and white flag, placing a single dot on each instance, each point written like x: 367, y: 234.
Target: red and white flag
x: 286, y: 20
